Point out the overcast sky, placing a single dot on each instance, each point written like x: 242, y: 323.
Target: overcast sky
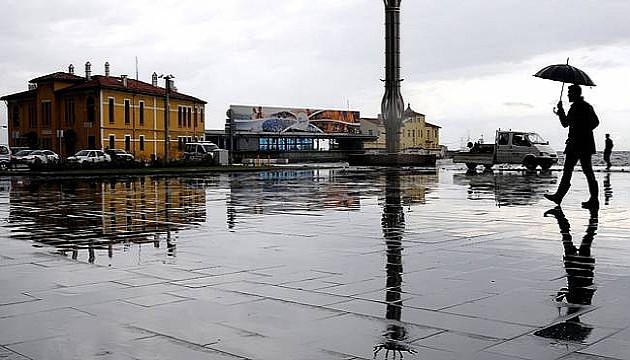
x: 467, y: 65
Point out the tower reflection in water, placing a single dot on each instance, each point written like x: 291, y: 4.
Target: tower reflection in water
x: 579, y: 265
x: 393, y: 224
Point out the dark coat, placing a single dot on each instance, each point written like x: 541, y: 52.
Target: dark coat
x: 609, y: 146
x: 581, y: 121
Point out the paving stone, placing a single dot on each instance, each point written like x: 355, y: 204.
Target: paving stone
x: 292, y: 276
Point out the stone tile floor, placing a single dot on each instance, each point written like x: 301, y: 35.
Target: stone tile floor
x: 330, y: 264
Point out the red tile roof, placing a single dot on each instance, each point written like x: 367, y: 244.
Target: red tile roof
x: 20, y: 95
x: 59, y: 76
x: 133, y: 86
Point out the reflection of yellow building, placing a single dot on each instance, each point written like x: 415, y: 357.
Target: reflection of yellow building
x: 415, y: 132
x: 64, y: 112
x: 72, y: 215
x: 151, y: 205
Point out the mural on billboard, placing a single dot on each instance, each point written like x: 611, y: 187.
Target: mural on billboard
x: 287, y: 120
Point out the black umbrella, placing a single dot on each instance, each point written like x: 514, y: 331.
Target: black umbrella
x: 565, y: 73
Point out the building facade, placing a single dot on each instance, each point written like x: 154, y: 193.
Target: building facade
x: 416, y: 134
x: 294, y: 134
x: 65, y: 113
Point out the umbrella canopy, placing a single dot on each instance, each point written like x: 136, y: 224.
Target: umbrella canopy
x: 565, y: 73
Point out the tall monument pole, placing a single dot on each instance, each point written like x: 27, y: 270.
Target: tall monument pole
x: 392, y: 105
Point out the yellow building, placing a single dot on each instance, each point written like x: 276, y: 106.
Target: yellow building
x: 415, y: 133
x: 65, y: 113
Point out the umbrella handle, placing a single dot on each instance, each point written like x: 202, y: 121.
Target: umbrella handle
x: 555, y: 109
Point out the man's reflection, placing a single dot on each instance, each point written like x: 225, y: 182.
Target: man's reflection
x: 579, y: 265
x: 608, y: 193
x: 393, y: 224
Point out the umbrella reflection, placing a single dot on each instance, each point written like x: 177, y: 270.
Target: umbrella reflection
x: 393, y: 223
x: 579, y: 265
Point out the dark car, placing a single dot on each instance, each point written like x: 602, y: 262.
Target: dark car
x: 119, y: 155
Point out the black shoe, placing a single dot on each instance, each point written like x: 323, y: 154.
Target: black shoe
x: 555, y: 212
x: 591, y: 204
x: 553, y: 197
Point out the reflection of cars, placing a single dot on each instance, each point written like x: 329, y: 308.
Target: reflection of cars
x: 89, y: 156
x: 507, y: 189
x: 119, y: 155
x: 202, y: 151
x: 37, y: 157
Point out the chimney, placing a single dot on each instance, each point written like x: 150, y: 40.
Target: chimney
x: 124, y: 80
x: 71, y: 69
x: 106, y: 68
x: 88, y: 70
x: 32, y: 86
x: 154, y: 80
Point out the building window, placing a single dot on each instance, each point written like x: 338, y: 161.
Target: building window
x: 180, y: 142
x: 112, y: 141
x: 91, y: 109
x: 111, y: 110
x: 413, y: 133
x: 69, y: 113
x: 127, y: 112
x: 32, y: 115
x: 16, y: 116
x: 195, y: 116
x: 189, y: 117
x: 201, y: 115
x: 46, y: 114
x: 141, y: 113
x: 141, y: 142
x: 179, y: 116
x: 127, y: 143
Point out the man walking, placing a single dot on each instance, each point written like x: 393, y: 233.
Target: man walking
x: 580, y: 146
x: 608, y: 151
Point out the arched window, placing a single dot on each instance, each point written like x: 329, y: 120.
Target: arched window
x: 91, y: 109
x: 16, y: 116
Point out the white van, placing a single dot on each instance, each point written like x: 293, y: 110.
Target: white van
x: 200, y: 151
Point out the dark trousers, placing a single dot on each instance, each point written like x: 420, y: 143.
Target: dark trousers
x: 570, y: 161
x: 607, y: 158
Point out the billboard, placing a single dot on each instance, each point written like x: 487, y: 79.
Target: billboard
x: 262, y: 119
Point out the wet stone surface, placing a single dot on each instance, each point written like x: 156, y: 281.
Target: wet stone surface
x: 314, y: 264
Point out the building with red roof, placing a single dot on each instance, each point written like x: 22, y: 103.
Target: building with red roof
x: 65, y: 112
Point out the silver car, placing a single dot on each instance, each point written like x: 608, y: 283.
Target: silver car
x: 89, y: 156
x: 37, y: 157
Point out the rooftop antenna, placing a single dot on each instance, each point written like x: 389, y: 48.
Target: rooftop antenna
x: 136, y: 68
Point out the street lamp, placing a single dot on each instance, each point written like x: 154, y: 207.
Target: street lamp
x: 167, y: 110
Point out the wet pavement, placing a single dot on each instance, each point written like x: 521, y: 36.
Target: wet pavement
x: 314, y: 264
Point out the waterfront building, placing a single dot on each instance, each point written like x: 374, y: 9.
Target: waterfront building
x: 65, y: 113
x: 294, y: 134
x: 416, y: 134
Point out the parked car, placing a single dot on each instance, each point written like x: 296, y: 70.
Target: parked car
x: 19, y: 155
x: 16, y: 149
x: 89, y: 156
x: 5, y: 157
x: 201, y: 151
x: 36, y: 157
x: 119, y: 155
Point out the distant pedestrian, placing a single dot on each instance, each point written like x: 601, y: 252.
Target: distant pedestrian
x: 608, y: 151
x: 580, y: 146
